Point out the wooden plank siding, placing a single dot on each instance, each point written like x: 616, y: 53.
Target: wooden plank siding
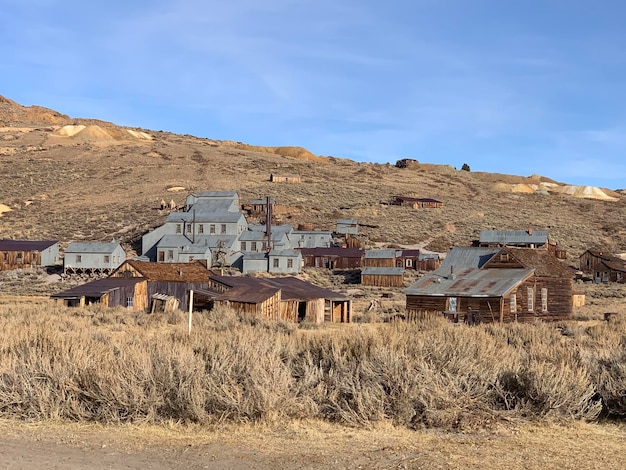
x: 10, y: 260
x: 381, y: 280
x: 379, y: 262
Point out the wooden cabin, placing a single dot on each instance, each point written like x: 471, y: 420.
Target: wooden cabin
x: 131, y: 293
x: 282, y: 298
x: 285, y: 179
x: 602, y: 266
x: 332, y: 258
x: 170, y: 279
x: 379, y: 259
x: 512, y: 284
x: 416, y: 260
x: 20, y: 254
x: 383, y: 277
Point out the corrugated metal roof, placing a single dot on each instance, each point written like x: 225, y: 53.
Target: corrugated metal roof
x: 193, y: 273
x: 282, y: 228
x: 92, y: 247
x: 252, y: 236
x: 471, y: 282
x: 377, y: 271
x: 254, y: 256
x: 97, y: 288
x: 380, y: 254
x: 467, y: 257
x: 425, y: 256
x: 347, y: 222
x: 513, y: 236
x: 26, y: 245
x: 222, y: 194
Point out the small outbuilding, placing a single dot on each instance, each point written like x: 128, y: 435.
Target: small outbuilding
x: 20, y: 254
x: 93, y: 257
x: 109, y: 292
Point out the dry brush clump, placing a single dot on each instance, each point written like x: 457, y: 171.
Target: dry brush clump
x: 114, y: 366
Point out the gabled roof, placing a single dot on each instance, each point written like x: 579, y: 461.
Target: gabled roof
x: 513, y: 236
x: 282, y: 228
x: 194, y: 273
x: 467, y: 257
x: 543, y: 262
x: 97, y: 288
x: 347, y: 222
x: 256, y: 236
x: 249, y: 294
x: 26, y: 245
x: 286, y: 253
x: 92, y: 247
x: 292, y: 288
x: 407, y: 253
x: 216, y: 194
x: 470, y: 282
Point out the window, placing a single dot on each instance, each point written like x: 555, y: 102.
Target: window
x: 79, y: 258
x: 129, y: 302
x: 289, y: 263
x: 212, y: 228
x: 513, y: 302
x: 223, y: 228
x: 107, y: 259
x: 170, y: 254
x: 409, y: 263
x: 452, y: 304
x: 263, y: 246
x: 243, y: 246
x: 544, y: 299
x: 276, y: 260
x: 188, y: 228
x: 201, y: 228
x: 20, y: 257
x: 531, y: 300
x: 6, y: 257
x: 253, y: 246
x: 161, y: 256
x: 178, y: 228
x: 504, y: 257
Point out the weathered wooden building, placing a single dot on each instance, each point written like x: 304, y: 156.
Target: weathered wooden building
x: 415, y: 259
x: 170, y: 279
x: 379, y: 259
x: 93, y: 257
x: 383, y: 277
x: 283, y: 298
x: 416, y: 202
x: 285, y: 179
x: 19, y: 254
x: 602, y: 266
x: 512, y: 284
x: 131, y: 293
x: 333, y: 258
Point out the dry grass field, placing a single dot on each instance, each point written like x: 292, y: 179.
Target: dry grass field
x: 241, y: 392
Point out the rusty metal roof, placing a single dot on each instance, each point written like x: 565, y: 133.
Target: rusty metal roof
x: 470, y: 282
x: 26, y: 245
x: 97, y: 288
x: 248, y: 294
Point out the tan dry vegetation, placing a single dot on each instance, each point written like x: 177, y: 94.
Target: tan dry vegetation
x: 87, y: 191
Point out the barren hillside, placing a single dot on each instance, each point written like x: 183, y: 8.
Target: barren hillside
x: 82, y: 179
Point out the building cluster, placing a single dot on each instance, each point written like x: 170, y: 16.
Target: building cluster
x: 506, y: 275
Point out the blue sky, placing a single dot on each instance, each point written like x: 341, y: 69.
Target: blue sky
x: 508, y: 86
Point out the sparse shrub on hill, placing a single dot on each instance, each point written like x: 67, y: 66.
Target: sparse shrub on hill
x: 113, y: 366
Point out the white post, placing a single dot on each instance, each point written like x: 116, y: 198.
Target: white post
x: 190, y: 310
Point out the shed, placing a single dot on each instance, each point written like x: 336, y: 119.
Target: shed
x: 603, y: 266
x: 379, y: 259
x: 383, y: 277
x: 109, y: 292
x: 19, y: 254
x: 345, y: 226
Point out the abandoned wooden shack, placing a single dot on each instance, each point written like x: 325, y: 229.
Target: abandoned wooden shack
x: 602, y: 266
x: 416, y: 202
x: 383, y: 277
x: 282, y: 298
x: 479, y: 285
x: 379, y: 259
x: 131, y: 293
x: 20, y: 254
x: 415, y: 259
x: 332, y: 258
x: 285, y: 179
x: 169, y: 279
